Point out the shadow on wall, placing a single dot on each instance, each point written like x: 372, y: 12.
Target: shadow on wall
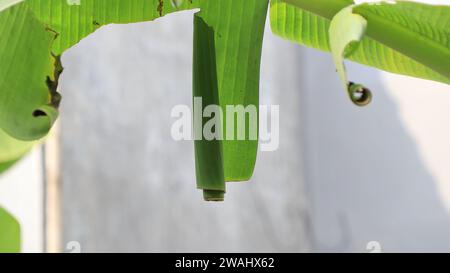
x: 365, y: 177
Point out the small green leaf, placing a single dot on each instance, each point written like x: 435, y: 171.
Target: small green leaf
x: 346, y: 31
x: 9, y: 233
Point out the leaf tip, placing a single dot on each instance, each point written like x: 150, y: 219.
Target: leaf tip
x: 213, y: 195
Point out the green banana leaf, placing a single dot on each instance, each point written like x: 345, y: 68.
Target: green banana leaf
x: 227, y: 46
x: 34, y: 34
x: 74, y: 22
x: 39, y: 31
x: 406, y: 37
x: 9, y: 233
x: 26, y: 63
x: 238, y: 30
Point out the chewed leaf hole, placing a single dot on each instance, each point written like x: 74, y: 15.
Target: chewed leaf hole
x: 39, y: 113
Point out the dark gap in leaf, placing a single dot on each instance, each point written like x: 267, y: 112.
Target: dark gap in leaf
x: 39, y: 113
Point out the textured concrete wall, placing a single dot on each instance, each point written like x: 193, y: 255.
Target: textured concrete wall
x: 127, y: 186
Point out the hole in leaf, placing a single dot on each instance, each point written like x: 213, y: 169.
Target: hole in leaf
x: 39, y: 113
